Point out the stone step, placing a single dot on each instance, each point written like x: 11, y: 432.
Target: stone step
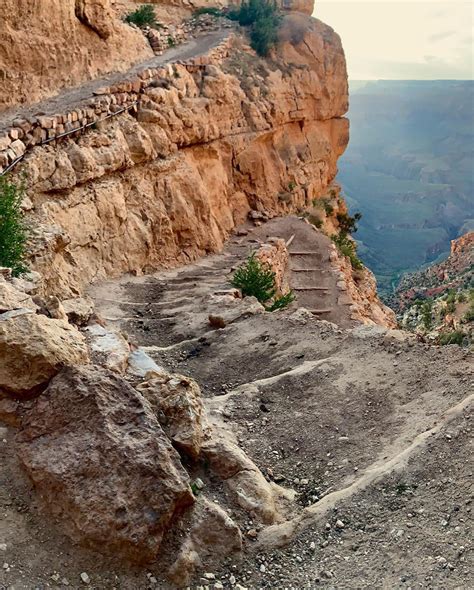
x: 310, y: 288
x: 321, y: 311
x: 307, y: 270
x: 304, y: 253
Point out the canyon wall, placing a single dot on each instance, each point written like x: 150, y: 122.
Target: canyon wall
x: 207, y: 144
x: 52, y: 44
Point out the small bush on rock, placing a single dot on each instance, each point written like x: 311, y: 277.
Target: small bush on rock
x: 263, y: 19
x: 142, y: 17
x: 348, y: 248
x: 13, y: 230
x: 257, y: 280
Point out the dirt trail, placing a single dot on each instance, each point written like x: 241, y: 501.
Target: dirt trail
x: 370, y: 430
x: 72, y: 98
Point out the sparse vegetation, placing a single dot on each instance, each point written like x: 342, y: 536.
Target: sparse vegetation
x: 13, y: 230
x: 325, y: 204
x: 142, y: 16
x: 455, y: 337
x: 348, y: 248
x: 281, y: 302
x: 255, y: 279
x: 427, y: 314
x: 347, y: 223
x: 263, y: 19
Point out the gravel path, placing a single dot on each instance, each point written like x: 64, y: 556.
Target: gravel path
x: 74, y: 97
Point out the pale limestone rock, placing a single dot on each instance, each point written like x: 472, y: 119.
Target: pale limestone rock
x: 42, y: 345
x: 241, y: 476
x: 108, y: 347
x: 12, y: 298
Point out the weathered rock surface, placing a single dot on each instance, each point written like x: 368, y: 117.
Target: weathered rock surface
x: 108, y: 347
x: 102, y: 463
x: 52, y: 44
x: 78, y: 310
x: 13, y: 298
x: 213, y: 535
x: 176, y: 401
x: 34, y: 348
x: 241, y: 476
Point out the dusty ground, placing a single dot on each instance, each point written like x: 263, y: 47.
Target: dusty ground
x: 370, y: 429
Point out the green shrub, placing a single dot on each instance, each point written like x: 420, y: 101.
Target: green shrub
x: 347, y: 223
x: 263, y: 19
x: 427, y: 314
x: 255, y: 279
x: 469, y: 315
x: 142, y: 17
x: 462, y: 297
x: 13, y: 230
x: 455, y: 337
x: 348, y: 248
x: 281, y: 302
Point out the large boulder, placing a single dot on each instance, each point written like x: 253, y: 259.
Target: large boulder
x: 34, y: 348
x: 102, y: 463
x: 177, y: 403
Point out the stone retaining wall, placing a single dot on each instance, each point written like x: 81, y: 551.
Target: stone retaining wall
x: 274, y: 254
x: 108, y: 101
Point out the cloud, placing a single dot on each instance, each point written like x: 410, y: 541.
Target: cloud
x: 403, y: 39
x: 441, y: 36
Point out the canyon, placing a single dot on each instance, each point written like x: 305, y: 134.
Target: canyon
x: 168, y: 431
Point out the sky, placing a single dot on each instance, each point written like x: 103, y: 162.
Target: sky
x: 403, y: 39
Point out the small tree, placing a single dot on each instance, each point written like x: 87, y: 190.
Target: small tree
x: 13, y: 230
x: 253, y: 279
x: 256, y: 279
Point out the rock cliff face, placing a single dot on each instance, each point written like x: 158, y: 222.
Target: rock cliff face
x: 52, y: 44
x: 207, y: 144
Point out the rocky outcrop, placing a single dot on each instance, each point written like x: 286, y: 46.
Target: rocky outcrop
x: 102, y: 463
x: 34, y: 348
x: 81, y: 39
x: 456, y: 272
x: 176, y: 401
x: 208, y: 144
x: 358, y: 288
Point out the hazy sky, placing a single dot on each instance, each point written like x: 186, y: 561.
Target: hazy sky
x: 403, y: 39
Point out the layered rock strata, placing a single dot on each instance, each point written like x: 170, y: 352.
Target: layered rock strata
x: 208, y: 144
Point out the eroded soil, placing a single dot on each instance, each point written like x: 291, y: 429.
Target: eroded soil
x: 369, y: 429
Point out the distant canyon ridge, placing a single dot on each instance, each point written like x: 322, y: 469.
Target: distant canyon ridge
x: 408, y: 169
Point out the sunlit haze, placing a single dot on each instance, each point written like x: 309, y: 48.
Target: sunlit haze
x: 401, y: 39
